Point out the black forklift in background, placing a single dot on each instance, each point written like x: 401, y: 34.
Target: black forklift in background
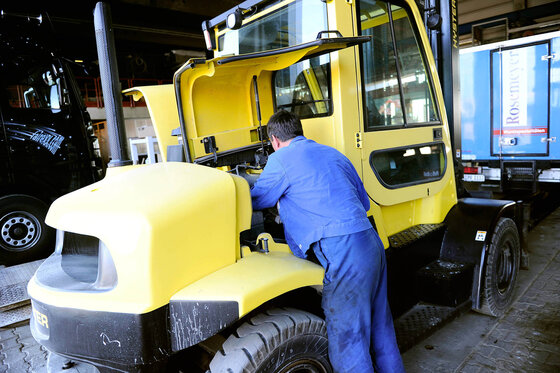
x: 46, y: 138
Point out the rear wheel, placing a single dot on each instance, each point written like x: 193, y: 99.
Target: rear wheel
x: 502, y: 267
x: 278, y: 341
x: 24, y: 236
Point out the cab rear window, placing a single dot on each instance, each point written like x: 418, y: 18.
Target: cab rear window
x: 305, y: 88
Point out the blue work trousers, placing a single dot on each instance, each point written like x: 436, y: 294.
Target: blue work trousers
x: 359, y: 322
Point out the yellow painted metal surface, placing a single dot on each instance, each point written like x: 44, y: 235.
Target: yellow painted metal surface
x: 243, y: 209
x: 398, y: 209
x: 173, y: 229
x: 347, y: 115
x: 162, y: 106
x: 218, y: 100
x: 395, y: 138
x: 255, y: 279
x: 234, y: 118
x: 114, y: 171
x: 166, y: 225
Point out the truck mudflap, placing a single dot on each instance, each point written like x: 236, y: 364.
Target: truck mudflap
x: 470, y: 225
x: 111, y: 341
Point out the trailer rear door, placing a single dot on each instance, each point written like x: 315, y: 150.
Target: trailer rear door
x: 520, y: 100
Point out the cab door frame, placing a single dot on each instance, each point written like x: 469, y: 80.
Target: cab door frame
x: 424, y: 202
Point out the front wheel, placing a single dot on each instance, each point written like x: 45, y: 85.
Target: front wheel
x: 278, y: 341
x: 502, y: 267
x: 24, y: 236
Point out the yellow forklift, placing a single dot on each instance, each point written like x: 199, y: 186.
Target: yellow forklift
x: 179, y: 274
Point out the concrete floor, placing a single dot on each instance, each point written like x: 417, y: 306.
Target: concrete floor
x: 525, y: 339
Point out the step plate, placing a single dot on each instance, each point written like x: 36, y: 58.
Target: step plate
x: 422, y: 320
x: 15, y: 316
x: 18, y: 273
x: 413, y: 234
x: 13, y: 296
x: 14, y: 301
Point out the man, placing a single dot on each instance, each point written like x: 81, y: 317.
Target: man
x: 323, y: 205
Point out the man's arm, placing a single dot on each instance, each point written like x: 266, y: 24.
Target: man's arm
x: 270, y: 186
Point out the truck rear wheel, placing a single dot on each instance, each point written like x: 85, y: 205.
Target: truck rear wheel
x: 502, y: 267
x: 24, y: 236
x: 278, y: 341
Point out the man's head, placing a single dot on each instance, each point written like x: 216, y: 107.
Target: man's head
x: 282, y: 127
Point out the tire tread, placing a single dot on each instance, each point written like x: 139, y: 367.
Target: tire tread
x: 259, y: 337
x: 489, y: 306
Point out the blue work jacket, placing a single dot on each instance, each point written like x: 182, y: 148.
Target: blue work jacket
x: 319, y: 192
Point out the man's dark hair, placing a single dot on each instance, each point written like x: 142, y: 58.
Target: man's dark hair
x: 284, y: 126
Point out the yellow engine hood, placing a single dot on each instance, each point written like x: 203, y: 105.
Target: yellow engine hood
x: 162, y: 106
x: 166, y: 225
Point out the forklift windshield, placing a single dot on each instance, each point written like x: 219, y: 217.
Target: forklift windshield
x: 275, y: 27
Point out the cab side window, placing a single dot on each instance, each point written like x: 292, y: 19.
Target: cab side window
x: 409, y: 165
x: 397, y: 86
x: 36, y: 89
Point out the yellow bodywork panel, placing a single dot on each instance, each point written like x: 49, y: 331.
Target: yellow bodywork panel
x: 114, y: 171
x: 396, y: 138
x: 166, y: 225
x: 255, y: 279
x: 217, y: 95
x: 243, y: 209
x: 162, y: 106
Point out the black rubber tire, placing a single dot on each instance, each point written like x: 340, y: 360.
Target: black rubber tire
x: 502, y: 268
x: 24, y: 236
x: 278, y: 341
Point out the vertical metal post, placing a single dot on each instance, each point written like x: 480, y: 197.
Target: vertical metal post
x: 444, y: 39
x: 110, y: 85
x: 445, y: 46
x: 449, y: 70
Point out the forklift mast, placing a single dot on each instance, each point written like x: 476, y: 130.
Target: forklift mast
x: 440, y: 19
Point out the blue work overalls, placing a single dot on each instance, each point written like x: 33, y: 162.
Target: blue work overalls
x: 359, y: 321
x: 323, y: 205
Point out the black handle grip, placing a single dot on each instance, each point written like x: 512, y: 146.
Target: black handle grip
x: 338, y: 34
